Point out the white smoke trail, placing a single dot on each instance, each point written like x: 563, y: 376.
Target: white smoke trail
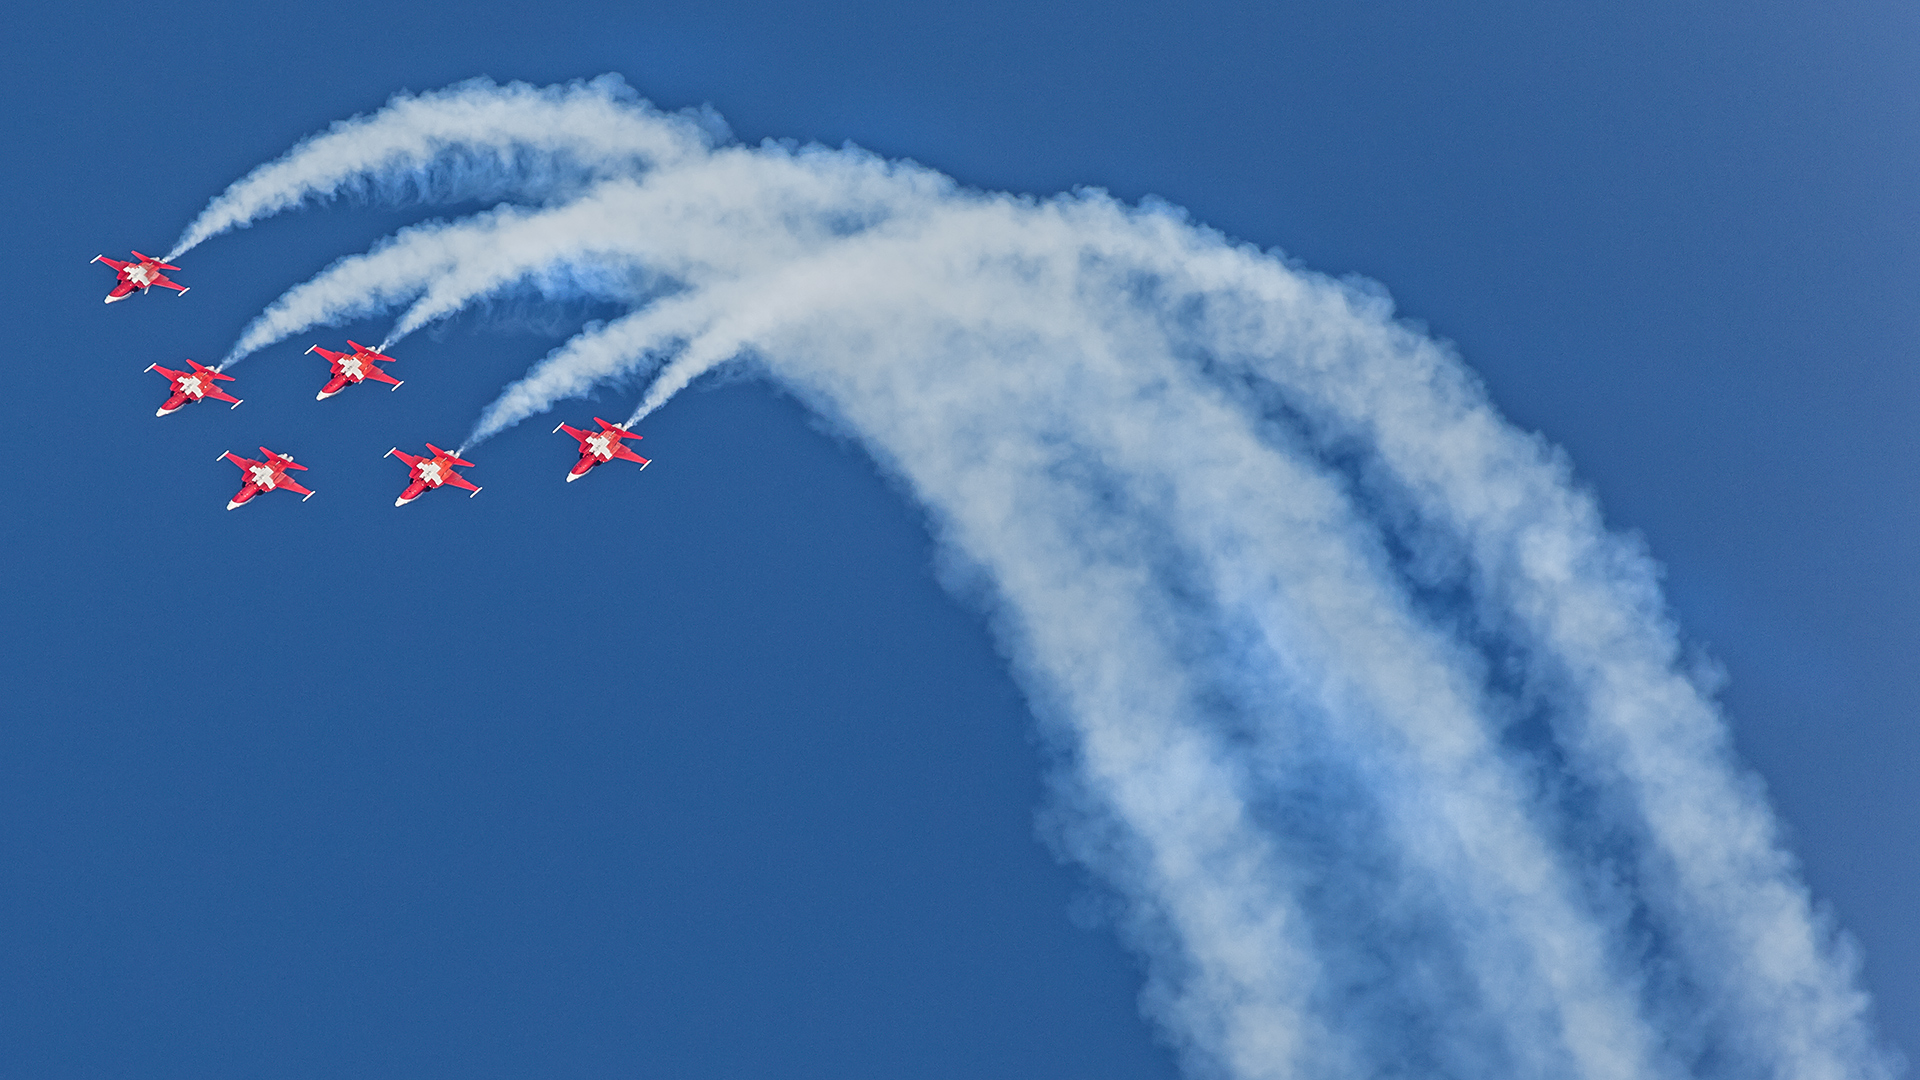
x: 470, y: 141
x: 408, y: 265
x: 599, y: 243
x: 597, y: 354
x: 1380, y: 734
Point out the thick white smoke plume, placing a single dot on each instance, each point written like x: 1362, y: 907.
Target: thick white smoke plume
x: 1382, y: 739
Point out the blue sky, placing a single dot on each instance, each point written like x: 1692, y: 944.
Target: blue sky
x: 700, y: 772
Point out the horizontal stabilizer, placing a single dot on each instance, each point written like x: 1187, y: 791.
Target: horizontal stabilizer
x: 364, y: 351
x: 450, y: 457
x: 154, y: 261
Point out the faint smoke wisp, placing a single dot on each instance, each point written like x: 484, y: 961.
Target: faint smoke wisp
x: 1382, y: 740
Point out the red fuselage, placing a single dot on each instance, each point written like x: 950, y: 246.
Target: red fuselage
x: 353, y: 367
x: 600, y: 447
x: 424, y: 473
x: 195, y: 384
x: 268, y: 474
x: 138, y: 276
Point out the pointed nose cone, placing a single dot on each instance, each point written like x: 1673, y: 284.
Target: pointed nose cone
x: 162, y: 412
x: 402, y: 501
x: 572, y: 476
x: 234, y: 504
x: 323, y: 395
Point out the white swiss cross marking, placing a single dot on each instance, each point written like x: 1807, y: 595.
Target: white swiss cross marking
x: 598, y: 444
x: 262, y: 476
x: 430, y: 472
x: 140, y: 275
x: 350, y: 367
x: 191, y: 387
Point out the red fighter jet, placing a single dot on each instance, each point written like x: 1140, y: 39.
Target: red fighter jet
x: 189, y: 386
x: 431, y: 472
x: 267, y: 475
x: 141, y: 276
x: 600, y: 447
x: 353, y: 367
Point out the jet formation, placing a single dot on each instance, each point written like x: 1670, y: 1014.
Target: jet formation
x: 437, y: 468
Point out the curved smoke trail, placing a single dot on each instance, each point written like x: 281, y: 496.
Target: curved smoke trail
x: 471, y: 141
x: 1384, y: 740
